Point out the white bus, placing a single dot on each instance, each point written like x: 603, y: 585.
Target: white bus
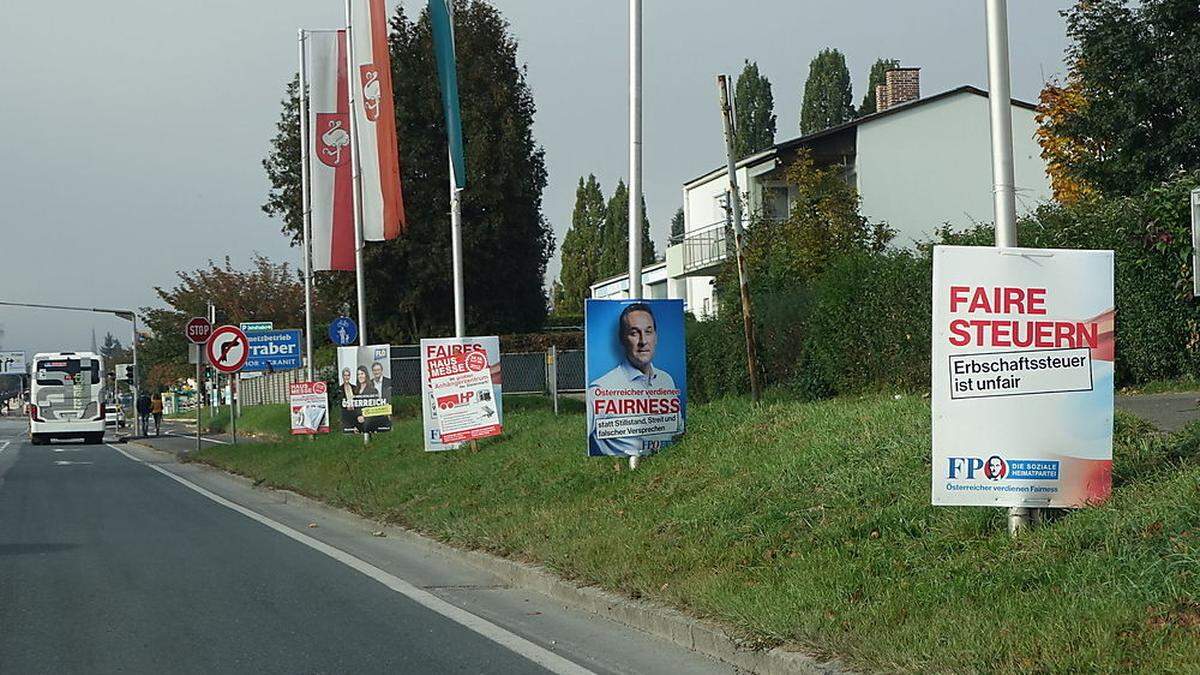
x: 66, y: 397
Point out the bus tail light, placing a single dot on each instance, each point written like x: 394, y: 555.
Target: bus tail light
x: 33, y: 413
x: 93, y: 411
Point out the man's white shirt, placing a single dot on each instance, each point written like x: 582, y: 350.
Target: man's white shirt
x: 625, y: 376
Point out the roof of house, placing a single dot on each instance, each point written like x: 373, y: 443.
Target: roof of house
x: 625, y: 275
x: 852, y: 124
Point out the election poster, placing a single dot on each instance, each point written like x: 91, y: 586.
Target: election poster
x: 310, y: 407
x: 461, y: 391
x: 365, y: 388
x: 637, y: 375
x: 1022, y: 376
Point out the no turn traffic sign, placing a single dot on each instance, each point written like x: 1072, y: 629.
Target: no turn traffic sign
x: 227, y: 349
x: 197, y: 330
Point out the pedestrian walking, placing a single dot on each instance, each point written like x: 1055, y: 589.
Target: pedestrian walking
x: 156, y: 409
x: 143, y: 412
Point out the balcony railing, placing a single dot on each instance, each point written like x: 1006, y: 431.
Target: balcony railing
x: 707, y: 247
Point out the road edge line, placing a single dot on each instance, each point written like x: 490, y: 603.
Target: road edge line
x: 507, y: 639
x: 661, y: 621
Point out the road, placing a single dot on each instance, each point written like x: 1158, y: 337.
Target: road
x: 116, y: 558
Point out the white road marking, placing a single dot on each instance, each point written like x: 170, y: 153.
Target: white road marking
x: 63, y: 462
x: 4, y: 445
x: 66, y: 449
x: 193, y: 437
x: 539, y: 655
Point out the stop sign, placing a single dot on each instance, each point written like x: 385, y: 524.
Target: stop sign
x: 198, y: 329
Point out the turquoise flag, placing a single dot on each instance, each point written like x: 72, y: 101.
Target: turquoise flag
x: 443, y: 47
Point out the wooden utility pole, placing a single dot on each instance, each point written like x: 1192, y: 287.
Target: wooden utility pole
x: 735, y: 205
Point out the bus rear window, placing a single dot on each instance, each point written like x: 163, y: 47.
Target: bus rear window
x: 60, y: 372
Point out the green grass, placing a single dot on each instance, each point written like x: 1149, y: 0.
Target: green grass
x: 1178, y: 385
x: 802, y: 523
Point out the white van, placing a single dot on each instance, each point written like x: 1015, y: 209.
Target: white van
x: 66, y: 397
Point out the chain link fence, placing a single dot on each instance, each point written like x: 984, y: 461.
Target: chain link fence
x: 521, y: 372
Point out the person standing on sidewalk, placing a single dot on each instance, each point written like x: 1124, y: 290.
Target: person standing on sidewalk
x: 156, y: 409
x: 143, y: 413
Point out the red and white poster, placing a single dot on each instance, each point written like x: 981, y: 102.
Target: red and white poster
x: 310, y: 407
x: 330, y: 178
x: 1023, y: 349
x: 375, y: 121
x: 461, y: 390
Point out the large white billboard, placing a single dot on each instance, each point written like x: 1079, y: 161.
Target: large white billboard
x: 1022, y: 376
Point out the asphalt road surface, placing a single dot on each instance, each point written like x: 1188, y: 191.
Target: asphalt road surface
x: 117, y: 559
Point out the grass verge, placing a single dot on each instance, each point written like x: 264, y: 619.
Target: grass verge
x: 800, y: 522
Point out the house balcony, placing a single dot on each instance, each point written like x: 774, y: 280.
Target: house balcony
x: 700, y: 252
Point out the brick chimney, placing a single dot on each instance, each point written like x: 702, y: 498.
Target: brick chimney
x: 900, y: 85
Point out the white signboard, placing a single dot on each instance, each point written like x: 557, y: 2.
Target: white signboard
x: 460, y: 390
x: 310, y: 407
x: 12, y: 363
x: 1022, y: 376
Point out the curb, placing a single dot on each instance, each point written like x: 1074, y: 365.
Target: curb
x: 698, y: 635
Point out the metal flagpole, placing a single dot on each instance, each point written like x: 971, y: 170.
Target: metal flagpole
x: 635, y: 159
x: 635, y: 149
x: 306, y: 208
x: 1003, y: 192
x: 359, y: 278
x: 460, y: 319
x: 357, y: 176
x: 456, y: 252
x: 1004, y: 199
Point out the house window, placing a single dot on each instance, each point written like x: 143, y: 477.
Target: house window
x: 775, y: 202
x: 721, y: 208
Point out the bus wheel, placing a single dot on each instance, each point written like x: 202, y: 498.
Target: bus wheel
x: 94, y: 439
x: 35, y: 439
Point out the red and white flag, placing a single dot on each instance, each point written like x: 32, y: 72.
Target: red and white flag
x: 375, y: 121
x: 330, y: 171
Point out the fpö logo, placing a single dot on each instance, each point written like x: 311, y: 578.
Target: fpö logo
x: 996, y: 468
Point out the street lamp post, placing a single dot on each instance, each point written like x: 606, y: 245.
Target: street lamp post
x: 127, y: 314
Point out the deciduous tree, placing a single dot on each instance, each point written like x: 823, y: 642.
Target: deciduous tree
x: 827, y: 93
x: 754, y: 112
x: 1127, y: 118
x: 582, y: 246
x: 614, y: 254
x: 876, y: 77
x: 506, y: 240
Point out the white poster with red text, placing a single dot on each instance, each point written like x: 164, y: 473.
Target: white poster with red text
x: 460, y: 390
x: 310, y: 407
x: 1022, y: 376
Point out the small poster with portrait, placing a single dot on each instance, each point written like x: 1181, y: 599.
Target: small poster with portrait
x: 637, y: 376
x: 365, y: 388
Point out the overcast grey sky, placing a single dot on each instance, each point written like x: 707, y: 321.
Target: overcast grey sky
x: 134, y: 130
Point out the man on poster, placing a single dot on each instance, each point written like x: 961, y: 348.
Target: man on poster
x: 383, y: 385
x: 364, y: 407
x: 635, y: 407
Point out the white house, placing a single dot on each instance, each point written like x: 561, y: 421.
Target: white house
x: 918, y: 164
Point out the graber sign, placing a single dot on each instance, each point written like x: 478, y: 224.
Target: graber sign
x: 1022, y: 376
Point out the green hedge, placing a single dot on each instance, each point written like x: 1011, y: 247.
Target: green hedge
x: 862, y: 323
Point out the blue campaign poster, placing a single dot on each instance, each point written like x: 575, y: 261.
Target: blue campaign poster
x: 637, y: 375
